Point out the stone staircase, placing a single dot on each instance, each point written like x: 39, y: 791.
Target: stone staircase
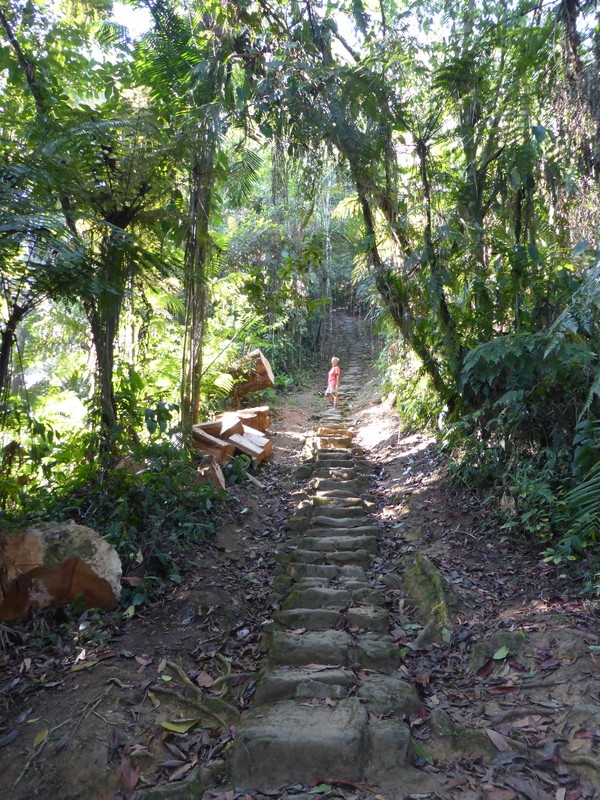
x: 330, y: 703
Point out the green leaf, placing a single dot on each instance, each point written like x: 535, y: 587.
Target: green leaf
x: 320, y: 789
x: 179, y: 727
x: 420, y: 753
x: 539, y: 132
x: 40, y: 737
x: 501, y: 653
x: 581, y: 246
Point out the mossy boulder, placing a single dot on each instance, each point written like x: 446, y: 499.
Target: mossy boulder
x: 431, y: 593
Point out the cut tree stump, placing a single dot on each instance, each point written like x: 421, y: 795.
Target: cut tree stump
x: 253, y: 374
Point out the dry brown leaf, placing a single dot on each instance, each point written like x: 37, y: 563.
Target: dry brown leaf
x: 499, y: 740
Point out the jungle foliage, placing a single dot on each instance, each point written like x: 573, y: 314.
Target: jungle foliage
x: 216, y: 184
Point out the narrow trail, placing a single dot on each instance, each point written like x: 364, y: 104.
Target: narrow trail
x: 330, y: 704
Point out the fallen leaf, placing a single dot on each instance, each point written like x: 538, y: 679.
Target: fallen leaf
x: 8, y: 738
x: 501, y: 653
x: 129, y: 775
x: 530, y: 789
x: 486, y: 669
x: 83, y: 665
x: 40, y: 737
x: 204, y: 680
x: 179, y: 773
x: 179, y: 727
x: 499, y: 740
x: 162, y: 665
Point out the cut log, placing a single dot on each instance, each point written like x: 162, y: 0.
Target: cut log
x: 218, y: 448
x: 245, y: 445
x: 253, y: 374
x: 258, y: 417
x: 53, y: 585
x: 212, y: 473
x: 222, y: 426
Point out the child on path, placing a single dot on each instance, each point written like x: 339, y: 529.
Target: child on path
x: 333, y: 382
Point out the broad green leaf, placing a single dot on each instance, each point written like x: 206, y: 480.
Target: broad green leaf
x: 501, y: 653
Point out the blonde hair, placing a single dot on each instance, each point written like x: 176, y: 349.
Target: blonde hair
x: 336, y: 359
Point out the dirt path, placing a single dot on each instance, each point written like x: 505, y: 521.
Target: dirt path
x: 509, y: 696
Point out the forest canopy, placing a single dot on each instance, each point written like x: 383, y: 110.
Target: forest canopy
x: 220, y: 181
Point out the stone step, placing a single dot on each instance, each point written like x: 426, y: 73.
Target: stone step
x: 291, y: 742
x: 313, y: 647
x: 312, y: 619
x: 345, y: 510
x: 317, y: 597
x: 360, y: 557
x: 283, y: 683
x: 299, y: 570
x: 370, y: 618
x: 340, y: 522
x: 337, y: 543
x: 360, y: 530
x: 356, y: 486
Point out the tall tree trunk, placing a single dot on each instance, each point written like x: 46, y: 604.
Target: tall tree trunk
x: 197, y: 253
x: 104, y: 313
x: 7, y: 340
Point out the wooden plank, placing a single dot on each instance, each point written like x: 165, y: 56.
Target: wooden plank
x: 245, y: 445
x: 220, y: 449
x: 258, y: 417
x: 212, y: 427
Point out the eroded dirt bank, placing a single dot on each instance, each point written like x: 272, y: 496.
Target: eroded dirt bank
x: 135, y: 708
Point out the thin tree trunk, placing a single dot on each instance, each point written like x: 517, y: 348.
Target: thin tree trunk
x: 196, y: 257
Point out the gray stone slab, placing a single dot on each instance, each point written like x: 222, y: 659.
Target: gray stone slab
x: 340, y: 522
x: 293, y: 743
x: 344, y: 510
x: 335, y: 473
x: 299, y: 570
x: 389, y: 694
x: 360, y: 557
x: 356, y: 486
x: 373, y: 651
x: 352, y: 572
x: 338, y: 494
x: 359, y: 530
x: 331, y: 543
x: 370, y: 618
x: 388, y: 755
x: 313, y: 619
x: 313, y: 647
x: 317, y: 597
x: 365, y: 595
x: 282, y: 684
x: 321, y: 691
